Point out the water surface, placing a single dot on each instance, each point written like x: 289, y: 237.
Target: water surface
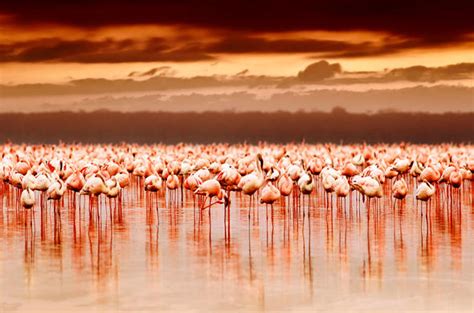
x: 386, y: 258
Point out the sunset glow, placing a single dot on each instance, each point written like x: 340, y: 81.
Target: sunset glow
x: 41, y: 46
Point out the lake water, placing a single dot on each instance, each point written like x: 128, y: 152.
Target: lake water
x: 349, y: 259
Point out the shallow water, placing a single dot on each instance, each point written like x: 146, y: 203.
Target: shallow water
x: 346, y: 259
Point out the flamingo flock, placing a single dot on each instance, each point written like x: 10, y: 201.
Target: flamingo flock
x: 37, y: 175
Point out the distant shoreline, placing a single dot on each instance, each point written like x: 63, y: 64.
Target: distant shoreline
x: 143, y: 127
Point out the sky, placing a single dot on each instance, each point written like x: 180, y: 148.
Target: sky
x: 60, y: 55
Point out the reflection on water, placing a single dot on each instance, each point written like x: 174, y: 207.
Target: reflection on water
x: 135, y: 257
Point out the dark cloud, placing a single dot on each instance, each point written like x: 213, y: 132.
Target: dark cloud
x: 242, y: 73
x: 159, y: 49
x: 319, y: 71
x: 438, y: 20
x: 264, y: 45
x: 104, y: 51
x: 389, y: 44
x: 161, y: 70
x: 162, y: 49
x: 236, y: 27
x: 461, y: 71
x: 155, y: 70
x: 104, y: 86
x: 432, y: 74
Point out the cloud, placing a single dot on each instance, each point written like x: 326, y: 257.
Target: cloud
x: 255, y: 44
x: 436, y: 19
x: 161, y: 71
x: 385, y: 45
x: 203, y: 30
x: 187, y: 48
x: 242, y: 73
x: 162, y: 49
x: 423, y: 73
x: 155, y: 49
x: 319, y: 71
x: 102, y: 51
x: 111, y: 86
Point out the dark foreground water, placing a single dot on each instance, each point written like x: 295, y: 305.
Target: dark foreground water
x: 344, y: 260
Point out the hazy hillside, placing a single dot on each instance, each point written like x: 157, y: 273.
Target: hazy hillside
x: 434, y: 99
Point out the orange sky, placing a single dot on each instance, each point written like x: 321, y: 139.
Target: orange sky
x: 266, y: 64
x: 195, y: 55
x: 61, y: 42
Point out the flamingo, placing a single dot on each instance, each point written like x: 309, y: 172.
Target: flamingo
x: 416, y: 168
x: 56, y: 189
x: 252, y: 182
x: 429, y: 174
x: 270, y: 194
x: 342, y: 187
x: 368, y: 186
x: 108, y: 169
x: 400, y: 189
x: 28, y: 181
x: 285, y: 185
x: 75, y: 181
x: 294, y: 172
x: 192, y: 182
x: 16, y: 179
x: 329, y: 183
x: 153, y: 183
x: 210, y: 189
x: 94, y: 187
x: 203, y: 174
x: 113, y: 188
x: 22, y: 167
x: 27, y: 198
x: 455, y: 179
x: 425, y: 191
x: 306, y: 185
x: 113, y: 191
x: 42, y: 182
x: 402, y: 166
x: 229, y: 177
x: 172, y: 183
x: 123, y: 179
x: 350, y: 170
x: 446, y: 173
